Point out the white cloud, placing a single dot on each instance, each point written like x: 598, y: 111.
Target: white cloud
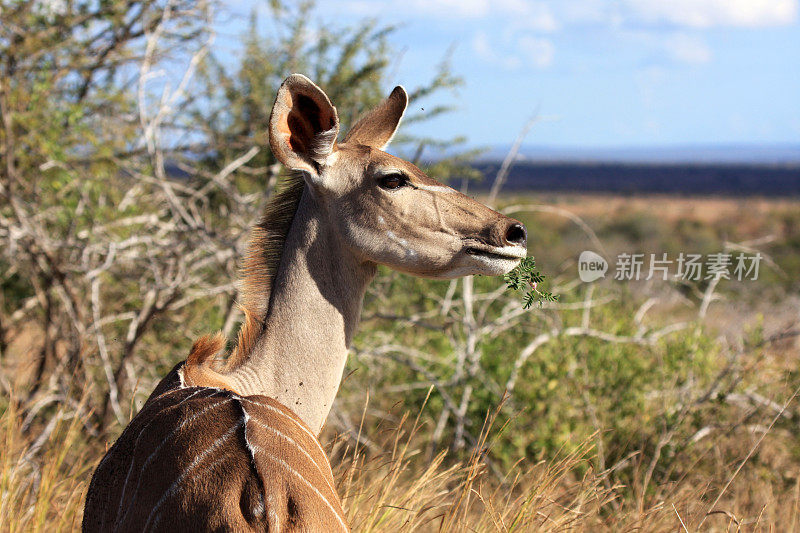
x: 708, y: 13
x: 682, y: 13
x: 470, y: 8
x: 485, y: 51
x: 481, y: 46
x: 525, y: 50
x: 536, y: 14
x: 688, y: 49
x: 650, y: 80
x: 538, y: 17
x: 589, y: 12
x: 659, y: 48
x: 550, y: 15
x: 538, y: 51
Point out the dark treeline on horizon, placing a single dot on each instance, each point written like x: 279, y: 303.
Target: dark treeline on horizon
x: 631, y: 178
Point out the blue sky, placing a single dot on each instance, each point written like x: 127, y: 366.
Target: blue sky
x: 601, y: 72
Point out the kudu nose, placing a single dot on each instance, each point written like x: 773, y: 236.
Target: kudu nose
x: 516, y: 235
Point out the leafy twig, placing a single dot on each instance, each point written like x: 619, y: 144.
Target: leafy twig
x: 526, y: 278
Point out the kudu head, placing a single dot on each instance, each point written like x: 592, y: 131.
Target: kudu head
x: 385, y: 209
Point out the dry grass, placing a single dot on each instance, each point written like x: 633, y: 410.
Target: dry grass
x: 44, y: 474
x: 401, y: 490
x: 398, y: 491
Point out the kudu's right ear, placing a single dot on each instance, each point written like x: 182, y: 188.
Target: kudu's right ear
x: 303, y: 125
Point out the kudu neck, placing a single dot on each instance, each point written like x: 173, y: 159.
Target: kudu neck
x: 313, y: 312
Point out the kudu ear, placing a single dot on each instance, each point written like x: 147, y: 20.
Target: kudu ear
x: 377, y: 127
x: 303, y: 125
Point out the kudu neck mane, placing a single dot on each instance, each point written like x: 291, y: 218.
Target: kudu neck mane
x: 301, y: 297
x: 261, y: 262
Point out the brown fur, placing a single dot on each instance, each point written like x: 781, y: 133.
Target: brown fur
x: 198, y: 371
x: 377, y: 127
x: 221, y: 470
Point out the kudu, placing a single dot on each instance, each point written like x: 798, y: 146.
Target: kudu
x: 232, y: 446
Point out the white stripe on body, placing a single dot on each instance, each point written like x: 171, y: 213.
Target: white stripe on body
x: 299, y: 476
x: 301, y: 426
x: 107, y: 456
x: 258, y: 510
x: 274, y: 520
x: 245, y: 419
x: 194, y: 464
x: 294, y: 442
x: 152, y: 455
x: 136, y: 446
x: 252, y: 449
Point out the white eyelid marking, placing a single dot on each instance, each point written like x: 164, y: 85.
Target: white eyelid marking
x: 435, y: 188
x: 389, y: 172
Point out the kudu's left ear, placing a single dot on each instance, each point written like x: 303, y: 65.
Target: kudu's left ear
x: 303, y: 125
x: 377, y: 127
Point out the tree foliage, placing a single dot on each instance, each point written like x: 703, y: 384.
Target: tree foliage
x: 134, y: 159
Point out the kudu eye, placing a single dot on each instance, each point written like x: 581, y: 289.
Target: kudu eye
x: 392, y: 182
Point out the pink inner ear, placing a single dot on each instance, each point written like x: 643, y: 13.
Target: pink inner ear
x: 303, y: 116
x: 302, y: 132
x: 283, y: 129
x: 304, y: 121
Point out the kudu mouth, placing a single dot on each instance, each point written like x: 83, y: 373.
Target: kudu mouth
x: 508, y: 244
x: 494, y: 252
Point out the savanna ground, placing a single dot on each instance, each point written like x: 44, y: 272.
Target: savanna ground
x: 652, y: 405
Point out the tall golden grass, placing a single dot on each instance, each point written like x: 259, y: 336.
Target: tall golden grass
x: 45, y: 471
x: 401, y: 490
